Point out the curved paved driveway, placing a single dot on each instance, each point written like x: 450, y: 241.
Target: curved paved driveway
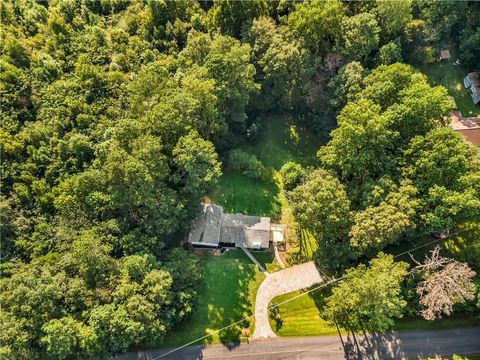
x: 285, y: 281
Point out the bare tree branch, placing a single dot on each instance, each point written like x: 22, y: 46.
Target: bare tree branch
x: 445, y: 283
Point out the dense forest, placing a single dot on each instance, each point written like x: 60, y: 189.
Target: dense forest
x: 117, y: 116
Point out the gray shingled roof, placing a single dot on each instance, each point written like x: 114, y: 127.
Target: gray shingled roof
x: 212, y: 227
x: 206, y: 227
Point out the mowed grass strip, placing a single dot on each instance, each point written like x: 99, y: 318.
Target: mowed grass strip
x: 227, y: 295
x: 300, y: 317
x: 239, y: 194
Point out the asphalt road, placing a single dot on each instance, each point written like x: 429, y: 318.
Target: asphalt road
x: 397, y: 345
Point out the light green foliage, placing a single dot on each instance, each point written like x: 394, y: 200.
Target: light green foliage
x: 368, y: 298
x: 393, y: 16
x: 376, y: 227
x: 421, y: 108
x: 384, y: 83
x: 321, y: 206
x: 395, y: 104
x: 198, y: 168
x: 439, y: 158
x: 228, y: 62
x: 292, y: 175
x: 62, y: 337
x: 346, y: 85
x: 318, y: 24
x: 114, y: 304
x: 360, y: 35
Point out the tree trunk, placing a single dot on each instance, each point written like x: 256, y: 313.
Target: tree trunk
x: 358, y: 347
x: 341, y: 339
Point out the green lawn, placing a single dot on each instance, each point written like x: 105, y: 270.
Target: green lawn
x: 301, y: 317
x: 239, y: 194
x: 284, y: 140
x: 451, y: 77
x: 227, y: 295
x: 267, y: 260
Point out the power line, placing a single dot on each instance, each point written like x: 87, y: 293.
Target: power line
x: 332, y: 281
x: 248, y: 317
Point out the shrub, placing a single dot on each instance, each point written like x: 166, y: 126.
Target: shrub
x: 248, y: 165
x: 390, y: 53
x: 292, y: 174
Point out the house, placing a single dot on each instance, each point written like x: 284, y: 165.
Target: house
x: 213, y: 228
x: 472, y: 83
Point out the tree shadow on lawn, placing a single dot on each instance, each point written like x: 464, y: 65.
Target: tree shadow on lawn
x: 370, y: 346
x: 264, y: 257
x: 233, y: 303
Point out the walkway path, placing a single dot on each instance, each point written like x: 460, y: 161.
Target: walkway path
x: 285, y: 281
x: 277, y: 256
x: 249, y: 254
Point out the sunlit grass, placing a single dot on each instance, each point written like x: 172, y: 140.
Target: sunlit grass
x: 226, y: 296
x: 451, y: 77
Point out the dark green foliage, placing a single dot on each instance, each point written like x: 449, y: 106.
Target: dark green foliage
x: 248, y: 165
x: 469, y: 49
x: 112, y: 115
x: 390, y: 53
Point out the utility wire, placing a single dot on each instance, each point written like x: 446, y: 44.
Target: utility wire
x: 334, y: 280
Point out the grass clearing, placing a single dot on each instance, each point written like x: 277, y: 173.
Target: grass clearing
x: 451, y: 77
x: 284, y: 139
x: 226, y: 296
x: 239, y: 194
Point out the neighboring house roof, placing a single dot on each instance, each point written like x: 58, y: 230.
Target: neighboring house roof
x: 212, y: 227
x: 471, y: 135
x: 472, y: 82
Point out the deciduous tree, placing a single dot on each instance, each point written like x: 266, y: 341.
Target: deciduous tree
x: 445, y: 282
x: 368, y: 298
